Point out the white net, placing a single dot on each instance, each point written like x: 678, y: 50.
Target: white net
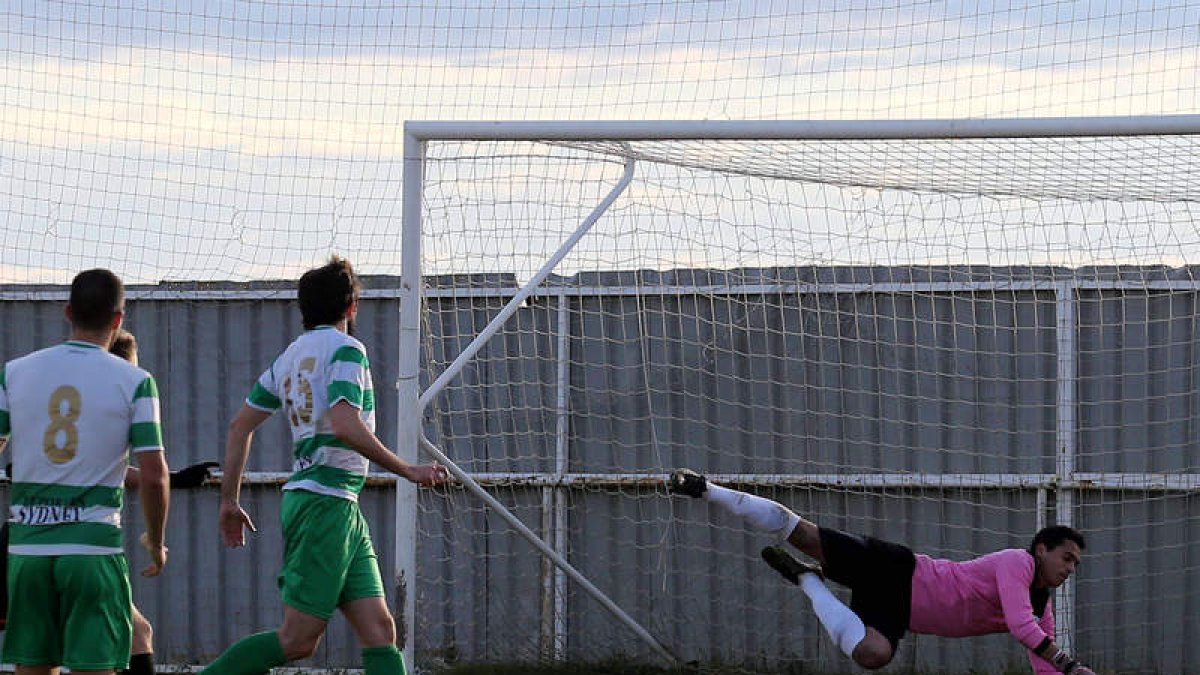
x: 786, y: 314
x: 943, y: 343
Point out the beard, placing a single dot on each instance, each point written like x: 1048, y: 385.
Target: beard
x: 350, y: 325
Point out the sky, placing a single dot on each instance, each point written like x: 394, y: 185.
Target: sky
x: 243, y: 140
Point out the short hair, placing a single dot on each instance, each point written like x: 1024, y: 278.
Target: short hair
x: 123, y: 345
x: 327, y: 292
x: 1053, y: 536
x: 97, y: 296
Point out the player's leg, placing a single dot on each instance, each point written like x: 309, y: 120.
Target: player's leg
x: 257, y: 654
x: 36, y: 670
x: 141, y: 656
x: 362, y: 602
x: 376, y: 631
x: 758, y: 513
x: 94, y: 610
x: 33, y: 639
x: 844, y: 627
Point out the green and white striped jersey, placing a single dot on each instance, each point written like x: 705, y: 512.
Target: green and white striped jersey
x: 320, y: 368
x: 72, y: 412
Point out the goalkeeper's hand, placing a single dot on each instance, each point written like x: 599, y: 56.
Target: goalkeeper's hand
x: 192, y: 476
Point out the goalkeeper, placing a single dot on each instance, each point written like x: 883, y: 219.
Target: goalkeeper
x: 141, y: 659
x: 895, y: 590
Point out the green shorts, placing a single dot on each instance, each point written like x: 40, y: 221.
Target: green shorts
x: 68, y: 610
x: 328, y: 559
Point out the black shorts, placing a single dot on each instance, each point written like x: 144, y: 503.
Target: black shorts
x: 879, y: 576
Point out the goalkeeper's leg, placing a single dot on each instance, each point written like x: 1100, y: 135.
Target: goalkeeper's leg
x: 759, y: 513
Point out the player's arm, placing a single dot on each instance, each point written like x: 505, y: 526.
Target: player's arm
x: 233, y: 520
x: 1059, y: 660
x: 1013, y: 580
x: 155, y: 498
x: 348, y: 426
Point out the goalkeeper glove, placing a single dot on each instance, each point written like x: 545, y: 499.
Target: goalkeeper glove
x: 192, y: 476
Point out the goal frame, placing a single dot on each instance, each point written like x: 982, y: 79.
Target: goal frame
x: 1064, y: 483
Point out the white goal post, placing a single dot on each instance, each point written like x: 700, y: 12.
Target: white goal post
x: 981, y: 326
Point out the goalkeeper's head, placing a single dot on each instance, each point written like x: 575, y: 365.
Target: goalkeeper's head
x: 329, y: 293
x: 1056, y: 551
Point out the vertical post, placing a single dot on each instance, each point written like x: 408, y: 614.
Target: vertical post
x: 408, y: 414
x: 554, y: 500
x: 562, y: 449
x: 1065, y: 444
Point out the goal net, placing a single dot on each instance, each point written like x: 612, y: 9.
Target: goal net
x: 947, y: 342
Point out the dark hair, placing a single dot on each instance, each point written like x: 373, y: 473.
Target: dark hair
x: 327, y: 292
x: 1053, y: 536
x: 96, y: 297
x: 123, y: 345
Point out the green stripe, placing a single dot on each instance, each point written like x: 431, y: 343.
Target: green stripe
x: 2, y: 381
x: 368, y: 400
x: 339, y: 389
x: 91, y: 534
x: 147, y: 389
x: 333, y: 477
x: 46, y: 494
x: 350, y: 355
x: 307, y: 446
x: 145, y: 435
x: 5, y: 424
x: 260, y: 397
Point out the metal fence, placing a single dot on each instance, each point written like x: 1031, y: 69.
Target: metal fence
x: 1088, y: 417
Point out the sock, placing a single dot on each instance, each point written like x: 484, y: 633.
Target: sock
x: 843, y: 625
x: 140, y: 664
x: 382, y: 661
x: 253, y: 655
x: 758, y: 512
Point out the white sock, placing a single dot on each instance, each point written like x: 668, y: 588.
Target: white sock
x: 843, y: 625
x: 760, y: 513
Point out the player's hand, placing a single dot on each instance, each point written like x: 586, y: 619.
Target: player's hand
x: 192, y: 476
x: 427, y: 475
x: 158, y: 556
x: 234, y: 523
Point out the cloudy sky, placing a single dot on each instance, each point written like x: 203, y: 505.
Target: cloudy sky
x: 238, y: 140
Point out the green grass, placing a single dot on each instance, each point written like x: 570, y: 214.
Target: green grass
x: 628, y: 668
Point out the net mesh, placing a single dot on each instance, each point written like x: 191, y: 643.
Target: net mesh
x: 884, y: 343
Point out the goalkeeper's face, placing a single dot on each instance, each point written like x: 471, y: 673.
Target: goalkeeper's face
x: 1056, y: 565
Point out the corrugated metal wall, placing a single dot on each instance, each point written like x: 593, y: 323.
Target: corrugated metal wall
x: 888, y: 382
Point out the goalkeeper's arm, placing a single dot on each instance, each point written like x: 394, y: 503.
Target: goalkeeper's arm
x: 1060, y: 659
x: 186, y: 478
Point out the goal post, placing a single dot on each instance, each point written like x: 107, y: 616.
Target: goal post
x: 919, y: 329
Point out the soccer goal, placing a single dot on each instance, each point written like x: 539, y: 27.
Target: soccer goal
x: 946, y: 333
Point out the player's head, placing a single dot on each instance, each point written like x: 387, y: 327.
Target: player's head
x: 97, y: 301
x: 124, y: 345
x: 329, y: 293
x: 1056, y: 551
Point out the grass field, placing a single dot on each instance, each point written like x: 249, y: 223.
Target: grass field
x: 623, y: 668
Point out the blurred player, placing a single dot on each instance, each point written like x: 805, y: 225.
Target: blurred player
x: 322, y: 383
x: 72, y: 413
x: 895, y: 590
x: 141, y: 656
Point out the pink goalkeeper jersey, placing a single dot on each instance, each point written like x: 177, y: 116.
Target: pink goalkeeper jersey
x: 986, y: 595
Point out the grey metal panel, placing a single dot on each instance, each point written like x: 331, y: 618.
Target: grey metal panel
x: 509, y: 388
x: 856, y: 382
x: 1139, y: 381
